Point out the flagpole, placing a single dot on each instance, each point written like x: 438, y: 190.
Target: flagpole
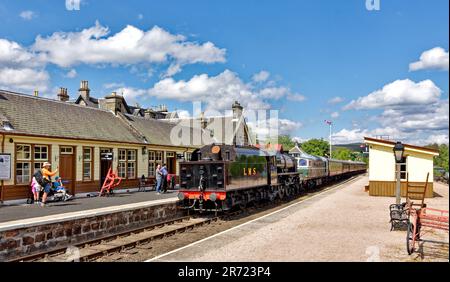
x: 330, y: 138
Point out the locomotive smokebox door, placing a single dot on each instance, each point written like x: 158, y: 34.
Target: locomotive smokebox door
x: 215, y: 153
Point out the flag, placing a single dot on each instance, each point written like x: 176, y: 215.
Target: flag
x: 329, y: 122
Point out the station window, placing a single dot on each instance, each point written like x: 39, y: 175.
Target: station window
x: 127, y: 164
x: 154, y: 158
x: 29, y: 158
x: 87, y: 163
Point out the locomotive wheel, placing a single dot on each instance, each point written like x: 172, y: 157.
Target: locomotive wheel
x: 410, y: 241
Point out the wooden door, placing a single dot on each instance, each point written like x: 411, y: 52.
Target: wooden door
x: 106, y: 158
x: 67, y: 168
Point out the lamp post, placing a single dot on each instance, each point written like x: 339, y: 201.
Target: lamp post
x: 399, y: 150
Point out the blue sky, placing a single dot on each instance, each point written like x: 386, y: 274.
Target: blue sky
x: 305, y: 52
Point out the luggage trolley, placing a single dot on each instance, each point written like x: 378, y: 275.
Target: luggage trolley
x: 422, y: 216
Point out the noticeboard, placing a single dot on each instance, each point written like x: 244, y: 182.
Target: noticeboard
x: 5, y: 166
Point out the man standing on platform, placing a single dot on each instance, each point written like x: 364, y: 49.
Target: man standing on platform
x: 164, y: 178
x: 158, y: 179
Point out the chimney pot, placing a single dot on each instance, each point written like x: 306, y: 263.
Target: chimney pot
x: 62, y: 95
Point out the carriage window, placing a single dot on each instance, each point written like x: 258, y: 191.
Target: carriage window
x: 227, y: 155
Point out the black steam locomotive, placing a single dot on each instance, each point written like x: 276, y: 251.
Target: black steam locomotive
x: 219, y: 177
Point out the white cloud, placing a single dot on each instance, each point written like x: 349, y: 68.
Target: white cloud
x: 13, y: 54
x: 183, y: 114
x: 131, y: 45
x: 346, y: 136
x: 296, y: 97
x: 334, y: 114
x: 439, y: 139
x: 113, y: 85
x: 267, y: 128
x: 436, y: 58
x: 261, y: 76
x: 300, y: 139
x: 218, y: 92
x: 26, y: 79
x: 71, y: 74
x: 27, y: 15
x: 399, y: 93
x: 335, y: 100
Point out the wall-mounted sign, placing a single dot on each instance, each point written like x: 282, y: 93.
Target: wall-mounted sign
x: 180, y: 156
x: 5, y: 166
x: 106, y: 156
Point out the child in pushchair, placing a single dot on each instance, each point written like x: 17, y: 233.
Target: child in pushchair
x: 59, y: 191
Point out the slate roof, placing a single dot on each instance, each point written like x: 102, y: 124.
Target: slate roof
x: 51, y: 118
x: 157, y: 131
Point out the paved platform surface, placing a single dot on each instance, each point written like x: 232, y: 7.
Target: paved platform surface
x: 24, y: 211
x: 341, y: 224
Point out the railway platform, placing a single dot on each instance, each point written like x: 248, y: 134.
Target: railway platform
x: 29, y: 229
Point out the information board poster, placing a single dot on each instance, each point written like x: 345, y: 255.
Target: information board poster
x: 5, y: 166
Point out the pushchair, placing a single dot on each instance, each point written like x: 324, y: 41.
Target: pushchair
x: 52, y: 196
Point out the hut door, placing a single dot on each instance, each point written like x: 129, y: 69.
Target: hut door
x: 67, y: 168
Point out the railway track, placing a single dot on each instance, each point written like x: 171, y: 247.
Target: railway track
x: 120, y: 242
x: 138, y: 239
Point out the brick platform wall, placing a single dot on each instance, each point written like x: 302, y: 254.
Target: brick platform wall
x: 27, y: 241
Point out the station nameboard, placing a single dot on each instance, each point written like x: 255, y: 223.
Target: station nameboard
x: 5, y: 166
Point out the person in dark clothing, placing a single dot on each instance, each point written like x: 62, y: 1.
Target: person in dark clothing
x: 164, y: 178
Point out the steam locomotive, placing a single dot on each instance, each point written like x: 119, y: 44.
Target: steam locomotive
x: 220, y: 177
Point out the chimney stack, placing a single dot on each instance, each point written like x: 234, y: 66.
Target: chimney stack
x: 148, y: 114
x: 237, y: 110
x: 114, y: 103
x: 62, y: 95
x: 84, y: 90
x: 203, y: 121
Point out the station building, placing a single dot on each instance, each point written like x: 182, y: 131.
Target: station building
x: 417, y: 162
x: 84, y: 138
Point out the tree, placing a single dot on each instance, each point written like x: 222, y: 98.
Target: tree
x: 343, y: 154
x: 442, y: 159
x: 286, y: 141
x: 318, y: 147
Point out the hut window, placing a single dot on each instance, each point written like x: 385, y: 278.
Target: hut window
x: 403, y: 169
x: 154, y: 158
x: 87, y: 164
x: 188, y: 156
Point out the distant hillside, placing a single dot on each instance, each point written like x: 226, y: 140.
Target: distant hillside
x: 352, y: 147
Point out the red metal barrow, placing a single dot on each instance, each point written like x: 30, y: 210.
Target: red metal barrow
x: 420, y: 218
